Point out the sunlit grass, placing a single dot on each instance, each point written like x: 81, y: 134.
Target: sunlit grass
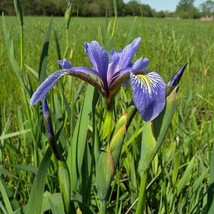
x: 178, y: 178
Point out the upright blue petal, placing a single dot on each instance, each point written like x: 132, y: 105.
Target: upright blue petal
x: 149, y: 94
x: 46, y: 86
x: 128, y: 53
x: 99, y: 57
x: 140, y: 64
x: 113, y: 66
x: 65, y: 64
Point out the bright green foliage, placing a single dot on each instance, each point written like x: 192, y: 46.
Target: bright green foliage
x: 34, y: 204
x: 176, y: 179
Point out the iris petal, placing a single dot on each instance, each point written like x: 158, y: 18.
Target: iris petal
x: 148, y: 90
x: 84, y: 70
x: 174, y: 81
x: 112, y: 67
x: 46, y: 86
x: 99, y: 57
x: 140, y: 64
x: 65, y: 64
x: 128, y: 53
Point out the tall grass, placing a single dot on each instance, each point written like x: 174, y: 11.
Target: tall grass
x: 178, y: 179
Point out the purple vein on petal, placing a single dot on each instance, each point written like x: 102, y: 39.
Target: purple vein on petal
x: 148, y: 90
x: 99, y: 57
x: 128, y: 53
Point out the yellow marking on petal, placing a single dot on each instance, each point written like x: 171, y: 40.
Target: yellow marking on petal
x: 145, y: 79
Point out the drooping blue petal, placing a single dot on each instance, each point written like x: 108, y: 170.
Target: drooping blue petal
x: 140, y: 64
x: 46, y: 86
x: 65, y: 64
x: 128, y: 53
x: 84, y: 70
x: 99, y: 57
x: 148, y: 90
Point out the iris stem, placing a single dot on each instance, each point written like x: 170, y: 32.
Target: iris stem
x: 103, y: 204
x: 142, y: 194
x: 107, y: 125
x: 21, y: 48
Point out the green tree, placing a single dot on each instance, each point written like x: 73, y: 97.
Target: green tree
x: 186, y: 9
x: 207, y: 8
x: 120, y: 8
x: 185, y: 5
x: 7, y: 7
x: 132, y: 8
x: 147, y: 10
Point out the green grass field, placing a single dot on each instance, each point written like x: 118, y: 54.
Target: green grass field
x: 167, y: 43
x: 179, y: 174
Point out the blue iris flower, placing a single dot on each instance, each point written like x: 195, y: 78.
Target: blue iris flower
x: 110, y: 71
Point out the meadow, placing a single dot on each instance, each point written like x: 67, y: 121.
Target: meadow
x: 179, y: 175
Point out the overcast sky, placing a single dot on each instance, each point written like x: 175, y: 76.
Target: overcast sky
x: 169, y: 5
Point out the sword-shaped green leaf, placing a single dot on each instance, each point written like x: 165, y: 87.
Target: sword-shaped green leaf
x: 64, y: 182
x: 210, y: 195
x: 44, y: 55
x: 162, y: 122
x: 34, y: 204
x: 7, y: 197
x: 79, y: 140
x: 185, y: 178
x: 10, y: 52
x: 18, y: 9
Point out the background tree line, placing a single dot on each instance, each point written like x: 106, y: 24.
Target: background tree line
x: 184, y: 9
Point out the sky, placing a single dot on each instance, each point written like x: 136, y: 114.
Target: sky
x: 169, y: 5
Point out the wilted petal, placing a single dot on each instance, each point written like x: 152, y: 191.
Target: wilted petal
x: 148, y: 90
x: 99, y: 57
x: 46, y: 86
x: 140, y: 64
x: 65, y: 64
x: 128, y: 53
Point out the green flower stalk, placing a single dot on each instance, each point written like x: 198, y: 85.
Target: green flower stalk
x: 110, y: 70
x: 153, y: 136
x: 109, y: 158
x: 19, y: 14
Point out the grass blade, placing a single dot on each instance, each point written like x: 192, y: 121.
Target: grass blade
x: 9, y: 202
x: 14, y: 134
x: 183, y: 181
x: 210, y: 196
x: 10, y: 52
x: 34, y: 204
x: 77, y: 149
x: 44, y: 55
